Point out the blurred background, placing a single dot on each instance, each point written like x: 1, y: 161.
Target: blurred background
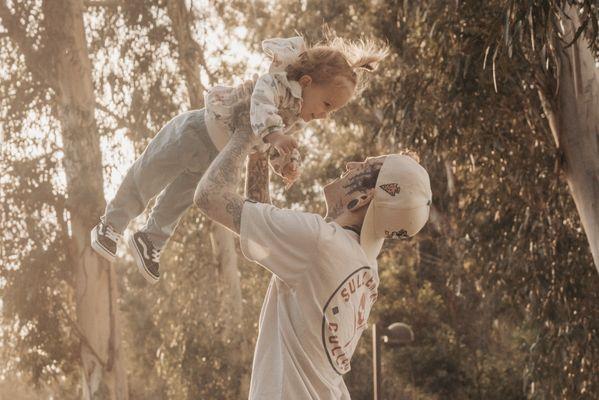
x: 500, y: 99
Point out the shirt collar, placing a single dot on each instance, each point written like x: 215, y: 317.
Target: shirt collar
x: 294, y: 86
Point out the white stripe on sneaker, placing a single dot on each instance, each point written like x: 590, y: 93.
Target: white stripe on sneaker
x: 139, y: 261
x: 99, y: 248
x: 145, y: 248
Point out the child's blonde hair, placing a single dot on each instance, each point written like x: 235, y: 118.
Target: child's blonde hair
x: 338, y: 57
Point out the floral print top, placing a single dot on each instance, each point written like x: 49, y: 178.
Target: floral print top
x: 275, y: 102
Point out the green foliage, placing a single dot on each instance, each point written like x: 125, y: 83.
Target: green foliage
x: 499, y: 288
x: 35, y: 278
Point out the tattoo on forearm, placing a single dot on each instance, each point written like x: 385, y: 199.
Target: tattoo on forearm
x: 257, y: 178
x: 234, y: 206
x: 216, y: 194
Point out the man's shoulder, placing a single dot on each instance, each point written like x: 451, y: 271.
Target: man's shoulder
x: 286, y: 218
x: 270, y: 208
x: 280, y: 239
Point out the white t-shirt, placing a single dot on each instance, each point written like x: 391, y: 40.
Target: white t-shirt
x: 316, y: 306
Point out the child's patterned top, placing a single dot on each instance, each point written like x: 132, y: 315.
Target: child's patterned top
x: 275, y: 103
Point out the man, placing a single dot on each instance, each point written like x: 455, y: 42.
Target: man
x: 325, y: 275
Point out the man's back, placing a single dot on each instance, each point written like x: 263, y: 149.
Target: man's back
x: 317, y: 304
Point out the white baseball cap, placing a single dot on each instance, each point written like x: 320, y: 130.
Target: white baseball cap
x: 400, y: 206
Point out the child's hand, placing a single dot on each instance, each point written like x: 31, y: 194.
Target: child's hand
x: 283, y: 143
x: 291, y: 170
x: 287, y: 167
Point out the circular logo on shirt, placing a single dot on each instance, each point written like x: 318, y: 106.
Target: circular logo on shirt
x: 345, y: 316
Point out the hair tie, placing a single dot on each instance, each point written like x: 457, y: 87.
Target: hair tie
x: 367, y: 67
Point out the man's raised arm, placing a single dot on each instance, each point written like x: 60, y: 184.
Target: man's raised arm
x: 216, y: 194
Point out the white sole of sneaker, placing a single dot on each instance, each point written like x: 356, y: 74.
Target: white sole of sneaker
x: 101, y: 250
x: 140, y: 263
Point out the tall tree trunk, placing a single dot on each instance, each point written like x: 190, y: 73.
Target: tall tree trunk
x: 223, y: 242
x: 103, y: 375
x: 574, y: 122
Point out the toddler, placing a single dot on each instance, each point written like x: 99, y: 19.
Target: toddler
x: 302, y: 84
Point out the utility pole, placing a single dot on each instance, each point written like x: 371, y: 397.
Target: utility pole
x: 395, y: 335
x: 376, y: 362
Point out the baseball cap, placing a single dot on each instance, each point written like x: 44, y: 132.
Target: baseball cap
x: 400, y: 206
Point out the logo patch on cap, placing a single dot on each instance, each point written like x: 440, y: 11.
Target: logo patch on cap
x: 402, y: 234
x: 391, y: 188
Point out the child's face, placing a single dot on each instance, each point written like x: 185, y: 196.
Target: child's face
x: 319, y: 100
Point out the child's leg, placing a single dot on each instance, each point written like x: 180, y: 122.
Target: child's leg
x: 178, y: 195
x: 170, y: 205
x: 167, y: 155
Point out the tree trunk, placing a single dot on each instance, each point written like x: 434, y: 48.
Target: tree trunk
x: 103, y: 375
x: 223, y: 242
x: 190, y: 52
x: 574, y: 121
x: 223, y: 245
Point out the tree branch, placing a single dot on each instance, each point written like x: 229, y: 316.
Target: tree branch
x: 107, y: 3
x: 122, y: 122
x: 83, y: 338
x: 552, y: 118
x: 190, y: 52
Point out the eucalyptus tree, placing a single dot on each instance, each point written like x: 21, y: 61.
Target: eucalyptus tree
x: 468, y: 94
x: 53, y: 172
x: 562, y: 50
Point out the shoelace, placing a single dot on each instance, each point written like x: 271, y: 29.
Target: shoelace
x: 155, y: 255
x: 110, y: 233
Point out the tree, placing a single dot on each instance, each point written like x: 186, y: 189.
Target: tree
x: 59, y: 62
x: 569, y: 95
x: 475, y: 111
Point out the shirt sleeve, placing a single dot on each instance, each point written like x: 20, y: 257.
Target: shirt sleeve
x: 264, y: 106
x: 281, y: 240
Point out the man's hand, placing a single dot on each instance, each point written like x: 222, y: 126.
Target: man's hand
x: 283, y: 143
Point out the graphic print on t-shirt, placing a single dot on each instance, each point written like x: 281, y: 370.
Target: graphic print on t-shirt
x: 345, y: 315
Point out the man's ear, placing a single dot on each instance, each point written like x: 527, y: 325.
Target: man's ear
x: 305, y: 81
x: 360, y: 201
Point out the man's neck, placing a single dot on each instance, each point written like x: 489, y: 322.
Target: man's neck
x: 350, y: 221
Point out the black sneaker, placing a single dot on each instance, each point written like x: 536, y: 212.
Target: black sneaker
x: 146, y: 256
x: 104, y: 240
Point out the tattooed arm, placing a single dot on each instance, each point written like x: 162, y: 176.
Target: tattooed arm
x: 257, y: 178
x: 216, y: 194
